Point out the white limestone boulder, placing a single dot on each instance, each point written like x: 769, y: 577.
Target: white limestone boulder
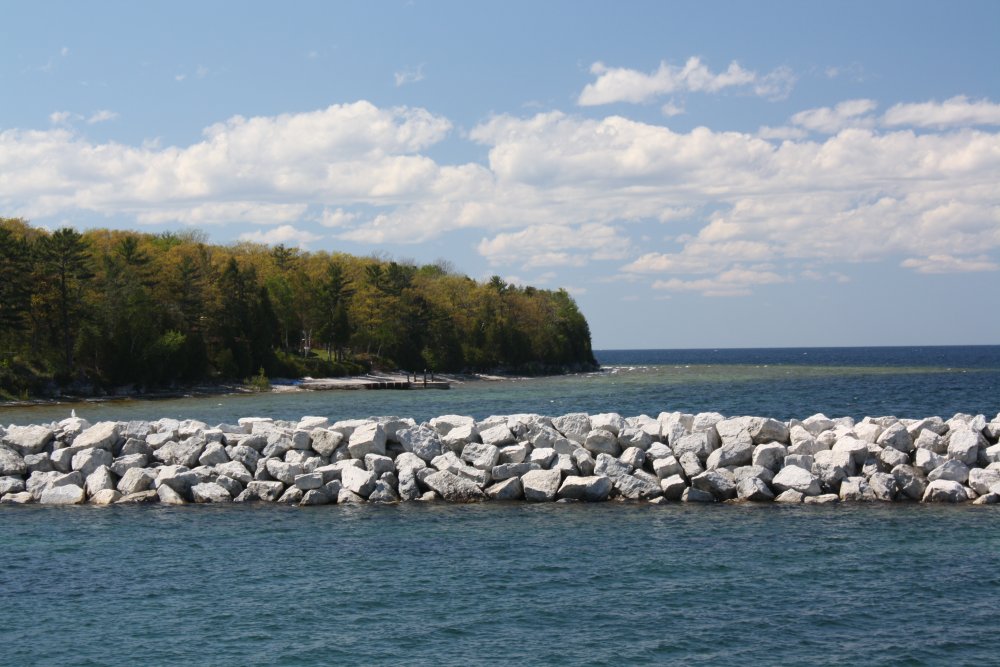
x: 367, y: 439
x: 963, y: 445
x: 720, y: 483
x: 481, y: 455
x: 770, y: 455
x: 210, y: 492
x: 797, y: 479
x: 673, y: 487
x: 954, y: 471
x: 507, y: 489
x: 356, y: 480
x: 11, y: 462
x: 421, y: 441
x: 453, y: 488
x: 753, y: 489
x: 600, y: 441
x: 637, y: 486
x: 897, y: 437
x: 541, y: 485
x: 593, y: 488
x: 944, y: 491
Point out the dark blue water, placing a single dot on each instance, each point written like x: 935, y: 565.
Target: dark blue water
x: 606, y: 584
x: 602, y: 584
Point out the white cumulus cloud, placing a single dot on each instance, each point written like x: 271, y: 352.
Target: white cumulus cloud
x: 621, y: 84
x: 285, y: 235
x: 958, y: 111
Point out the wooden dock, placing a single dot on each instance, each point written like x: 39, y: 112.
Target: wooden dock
x: 374, y: 382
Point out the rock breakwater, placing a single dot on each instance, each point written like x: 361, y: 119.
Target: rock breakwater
x: 572, y: 458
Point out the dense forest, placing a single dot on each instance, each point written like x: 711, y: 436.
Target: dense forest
x: 105, y: 309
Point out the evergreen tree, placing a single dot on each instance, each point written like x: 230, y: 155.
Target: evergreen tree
x: 62, y: 271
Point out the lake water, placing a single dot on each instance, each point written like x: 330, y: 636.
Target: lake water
x: 605, y: 584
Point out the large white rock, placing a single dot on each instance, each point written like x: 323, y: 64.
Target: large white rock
x: 982, y: 479
x: 954, y: 471
x: 769, y: 455
x: 103, y: 435
x: 963, y: 445
x: 268, y: 491
x: 135, y: 480
x: 926, y: 459
x: 638, y: 486
x: 184, y: 453
x: 797, y: 479
x: 367, y: 439
x: 99, y: 480
x: 594, y: 488
x: 11, y: 463
x: 600, y: 441
x: 90, y: 459
x: 930, y: 440
x: 309, y: 423
x: 361, y: 482
x: 508, y: 489
x: 892, y: 457
x: 446, y: 423
x: 737, y: 451
x: 69, y: 494
x: 666, y: 467
x: 911, y: 483
x: 324, y: 441
x: 635, y: 437
x: 574, y: 426
x: 701, y: 444
x: 498, y: 436
x: 609, y: 421
x: 210, y: 492
x: 721, y: 485
x: 540, y: 485
x: 283, y: 471
x: 858, y: 449
x: 673, y: 487
x: 457, y: 438
x: 945, y: 491
x: 883, y: 486
x: 690, y: 464
x: 481, y: 455
x: 421, y: 441
x: 584, y: 462
x: 753, y: 489
x: 453, y: 488
x: 897, y: 437
x: 28, y: 439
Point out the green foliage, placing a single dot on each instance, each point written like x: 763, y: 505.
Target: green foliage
x: 110, y: 307
x: 259, y: 382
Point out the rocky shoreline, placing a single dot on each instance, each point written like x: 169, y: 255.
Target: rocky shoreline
x: 575, y: 457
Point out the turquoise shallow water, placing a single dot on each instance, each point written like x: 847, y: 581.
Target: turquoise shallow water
x: 435, y: 584
x: 780, y: 383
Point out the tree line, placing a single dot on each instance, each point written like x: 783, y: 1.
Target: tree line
x: 107, y: 308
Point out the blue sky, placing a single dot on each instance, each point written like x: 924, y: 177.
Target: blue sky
x: 697, y: 174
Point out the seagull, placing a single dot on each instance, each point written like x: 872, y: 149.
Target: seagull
x: 72, y: 413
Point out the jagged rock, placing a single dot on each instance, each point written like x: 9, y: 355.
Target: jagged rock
x: 611, y: 422
x: 585, y: 463
x: 897, y: 437
x: 666, y: 467
x: 103, y: 435
x: 543, y: 457
x: 717, y: 482
x: 210, y: 492
x: 517, y: 453
x: 987, y: 499
x: 954, y: 471
x: 637, y: 486
x: 853, y: 489
x: 99, y: 480
x: 753, y: 489
x: 268, y: 491
x: 611, y: 467
x: 832, y: 467
x: 292, y: 496
x: 823, y: 499
x: 143, y: 497
x: 769, y: 455
x: 884, y: 486
x: 693, y: 495
x: 420, y: 441
x: 927, y: 460
x: 508, y: 489
x: 541, y: 485
x: 178, y: 478
x: 857, y: 449
x: 507, y: 471
x: 497, y: 436
x: 673, y: 487
x: 931, y: 441
x: 789, y: 496
x: 601, y: 442
x: 482, y: 456
x: 963, y: 446
x: 105, y: 497
x: 361, y: 482
x: 453, y: 488
x: 28, y: 439
x: 982, y: 480
x: 11, y: 463
x: 314, y: 497
x: 575, y: 426
x: 122, y: 464
x: 635, y: 437
x: 383, y: 493
x: 283, y: 471
x: 446, y: 423
x: 594, y: 488
x: 11, y: 485
x: 309, y: 481
x: 736, y: 452
x: 213, y: 454
x: 690, y: 464
x: 634, y: 457
x: 67, y: 494
x: 40, y: 462
x: 90, y: 459
x: 945, y: 491
x: 700, y: 444
x: 798, y: 479
x: 180, y: 453
x: 369, y: 438
x: 232, y: 486
x: 20, y: 498
x: 911, y: 483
